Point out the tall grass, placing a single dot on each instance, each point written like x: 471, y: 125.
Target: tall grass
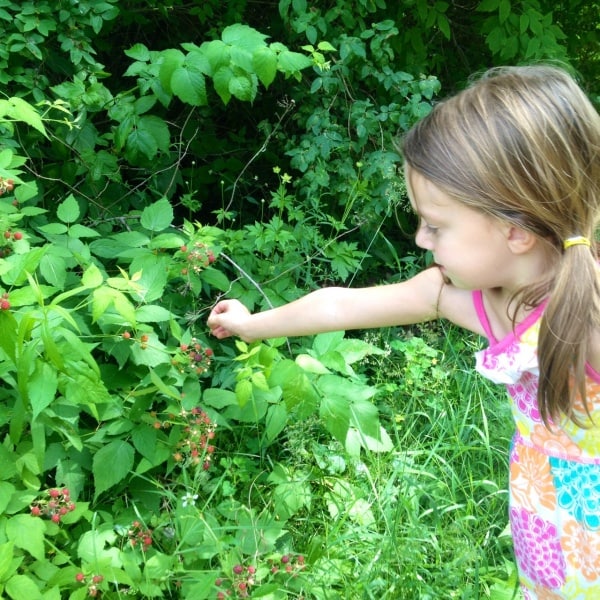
x: 427, y: 520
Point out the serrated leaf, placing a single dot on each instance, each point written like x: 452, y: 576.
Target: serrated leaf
x: 171, y: 60
x: 243, y: 36
x: 157, y: 216
x: 242, y: 87
x: 92, y: 277
x: 217, y: 54
x: 21, y: 110
x: 312, y: 365
x: 112, y: 463
x: 264, y: 63
x: 81, y: 231
x: 335, y: 413
x: 292, y: 62
x: 189, y: 86
x: 68, y: 210
x: 6, y: 558
x: 43, y: 383
x: 151, y: 313
x: 22, y: 587
x: 53, y: 228
x: 221, y: 80
x: 27, y: 532
x: 138, y: 52
x: 488, y: 5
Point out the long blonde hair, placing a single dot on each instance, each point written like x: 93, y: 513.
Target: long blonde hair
x: 523, y: 144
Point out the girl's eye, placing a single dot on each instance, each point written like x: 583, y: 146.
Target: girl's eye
x: 431, y: 229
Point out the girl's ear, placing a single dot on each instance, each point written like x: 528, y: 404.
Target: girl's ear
x: 519, y: 240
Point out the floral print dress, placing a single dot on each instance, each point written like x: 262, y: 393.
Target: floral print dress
x: 554, y: 474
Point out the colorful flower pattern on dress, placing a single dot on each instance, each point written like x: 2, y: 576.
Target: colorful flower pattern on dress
x: 554, y: 472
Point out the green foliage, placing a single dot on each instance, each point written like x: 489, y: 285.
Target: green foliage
x: 144, y: 172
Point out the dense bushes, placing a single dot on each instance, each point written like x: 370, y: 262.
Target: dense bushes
x: 156, y: 157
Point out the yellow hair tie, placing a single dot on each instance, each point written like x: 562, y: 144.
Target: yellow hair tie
x: 577, y: 240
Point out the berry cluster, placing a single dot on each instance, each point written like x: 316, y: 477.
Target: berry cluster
x: 143, y: 339
x: 195, y: 447
x: 6, y: 185
x: 4, y: 303
x: 55, y: 504
x: 238, y: 585
x: 193, y: 357
x: 287, y: 563
x: 8, y: 238
x: 92, y: 582
x: 139, y: 536
x: 197, y: 258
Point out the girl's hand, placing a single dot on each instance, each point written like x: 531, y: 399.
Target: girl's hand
x: 227, y: 318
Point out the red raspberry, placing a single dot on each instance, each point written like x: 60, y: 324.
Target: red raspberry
x: 36, y: 511
x: 55, y: 518
x: 7, y: 235
x: 17, y: 235
x: 126, y: 335
x: 54, y: 493
x: 4, y: 304
x: 80, y: 577
x: 143, y: 338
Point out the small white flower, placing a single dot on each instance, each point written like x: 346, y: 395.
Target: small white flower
x: 189, y: 500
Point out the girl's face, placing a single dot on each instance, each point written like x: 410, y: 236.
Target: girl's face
x: 470, y: 247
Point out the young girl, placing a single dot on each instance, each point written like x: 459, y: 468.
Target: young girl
x: 505, y: 178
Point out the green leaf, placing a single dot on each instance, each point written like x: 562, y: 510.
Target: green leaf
x: 68, y: 210
x: 311, y: 365
x: 365, y: 417
x: 81, y: 231
x: 218, y: 398
x: 92, y: 277
x: 221, y: 80
x: 138, y: 52
x: 335, y: 413
x: 96, y: 546
x: 153, y: 279
x: 217, y: 53
x: 243, y: 36
x: 27, y: 532
x: 23, y: 265
x: 275, y: 422
x: 291, y: 63
x: 504, y: 10
x: 243, y: 86
x: 215, y: 278
x: 144, y: 439
x: 264, y: 63
x: 170, y: 61
x: 42, y: 384
x: 22, y: 587
x: 151, y: 313
x: 157, y: 216
x: 54, y: 228
x: 111, y: 464
x: 104, y: 297
x: 189, y: 85
x: 6, y: 560
x: 488, y: 5
x: 20, y: 110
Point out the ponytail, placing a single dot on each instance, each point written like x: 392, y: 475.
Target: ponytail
x: 571, y: 315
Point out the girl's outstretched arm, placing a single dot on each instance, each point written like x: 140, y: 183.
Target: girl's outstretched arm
x: 334, y: 309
